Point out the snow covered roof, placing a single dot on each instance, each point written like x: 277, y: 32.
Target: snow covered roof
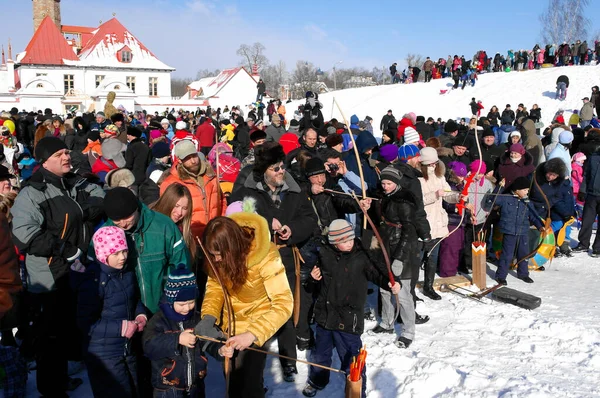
x: 217, y: 83
x: 104, y: 48
x: 200, y: 85
x: 47, y: 47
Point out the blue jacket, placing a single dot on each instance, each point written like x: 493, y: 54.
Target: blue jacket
x: 558, y: 192
x: 105, y: 298
x: 99, y: 127
x: 591, y: 175
x: 515, y: 214
x: 364, y: 141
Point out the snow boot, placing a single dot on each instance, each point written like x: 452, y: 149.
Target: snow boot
x: 309, y: 391
x: 288, y: 374
x: 525, y: 279
x: 304, y: 344
x: 566, y: 249
x: 419, y: 320
x: 403, y: 342
x: 429, y: 278
x: 595, y: 253
x: 379, y: 329
x: 580, y: 249
x: 502, y: 281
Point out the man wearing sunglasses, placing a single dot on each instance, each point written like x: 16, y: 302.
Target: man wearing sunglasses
x: 292, y: 219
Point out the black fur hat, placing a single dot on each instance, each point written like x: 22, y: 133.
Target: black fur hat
x: 117, y: 117
x: 556, y: 166
x: 267, y: 155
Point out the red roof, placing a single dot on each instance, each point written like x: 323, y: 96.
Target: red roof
x: 86, y: 32
x: 48, y: 46
x: 112, y: 31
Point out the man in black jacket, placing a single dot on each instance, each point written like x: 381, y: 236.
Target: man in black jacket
x: 386, y: 120
x: 262, y: 89
x: 292, y: 220
x: 424, y: 129
x: 138, y: 155
x: 508, y: 116
x: 393, y: 72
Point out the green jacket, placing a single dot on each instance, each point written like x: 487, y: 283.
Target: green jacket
x: 155, y: 245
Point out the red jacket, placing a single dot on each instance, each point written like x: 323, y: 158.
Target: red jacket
x: 404, y: 123
x: 205, y: 133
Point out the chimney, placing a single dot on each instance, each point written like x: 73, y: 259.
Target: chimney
x: 43, y: 8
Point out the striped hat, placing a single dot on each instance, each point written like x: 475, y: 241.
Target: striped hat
x: 340, y: 231
x: 181, y: 285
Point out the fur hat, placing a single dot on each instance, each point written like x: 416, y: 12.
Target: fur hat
x: 333, y: 140
x: 117, y: 117
x: 134, y: 132
x: 314, y: 166
x: 450, y: 126
x: 556, y: 166
x: 267, y: 155
x: 257, y: 135
x: 520, y: 183
x: 107, y: 241
x: 487, y: 132
x: 119, y: 178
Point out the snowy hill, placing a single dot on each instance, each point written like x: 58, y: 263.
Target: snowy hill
x: 529, y: 87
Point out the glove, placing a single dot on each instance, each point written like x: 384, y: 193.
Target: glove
x: 206, y: 327
x: 141, y: 320
x: 128, y: 328
x: 581, y: 196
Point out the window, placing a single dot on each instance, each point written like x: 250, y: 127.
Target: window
x: 99, y: 79
x: 153, y: 86
x: 126, y: 56
x: 68, y: 79
x: 131, y: 83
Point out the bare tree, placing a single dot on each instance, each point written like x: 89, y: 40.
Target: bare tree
x: 304, y: 78
x: 564, y: 21
x: 179, y: 86
x: 252, y: 55
x: 202, y: 73
x: 274, y: 77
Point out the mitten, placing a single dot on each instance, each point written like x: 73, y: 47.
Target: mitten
x: 206, y: 327
x: 128, y: 328
x: 141, y: 320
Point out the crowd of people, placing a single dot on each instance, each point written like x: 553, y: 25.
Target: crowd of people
x: 137, y: 244
x: 465, y: 70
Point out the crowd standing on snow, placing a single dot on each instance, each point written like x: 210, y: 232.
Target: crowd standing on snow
x: 141, y: 241
x: 466, y: 70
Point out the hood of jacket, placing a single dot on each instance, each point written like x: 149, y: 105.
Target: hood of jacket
x: 526, y: 160
x: 556, y: 166
x: 261, y: 245
x: 365, y: 141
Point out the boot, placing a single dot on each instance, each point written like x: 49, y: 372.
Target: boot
x: 428, y: 284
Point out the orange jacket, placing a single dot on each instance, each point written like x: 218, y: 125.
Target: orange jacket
x: 208, y: 202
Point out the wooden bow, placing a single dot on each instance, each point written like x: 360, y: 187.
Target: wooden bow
x: 229, y: 306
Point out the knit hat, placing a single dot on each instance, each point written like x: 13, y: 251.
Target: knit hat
x: 181, y: 285
x: 407, y: 152
x: 520, y: 183
x: 107, y: 241
x: 294, y: 126
x: 340, y: 231
x: 429, y: 156
x: 275, y: 118
x: 5, y: 173
x: 120, y: 203
x: 461, y: 140
x: 389, y: 152
x: 517, y: 148
x: 392, y: 174
x: 478, y: 165
x: 458, y: 168
x: 47, y: 147
x: 353, y: 119
x: 450, y: 126
x: 181, y: 125
x: 257, y: 135
x: 314, y: 166
x: 111, y: 129
x: 160, y: 150
x: 333, y: 140
x: 410, y: 135
x: 134, y: 132
x: 101, y: 114
x: 289, y: 142
x: 184, y: 148
x: 566, y: 137
x: 579, y: 157
x: 487, y: 132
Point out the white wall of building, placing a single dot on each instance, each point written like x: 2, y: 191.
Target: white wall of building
x: 240, y: 90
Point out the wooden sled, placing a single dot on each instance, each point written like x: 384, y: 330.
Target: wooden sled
x: 457, y: 280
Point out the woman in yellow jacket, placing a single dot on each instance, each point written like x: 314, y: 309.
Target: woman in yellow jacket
x: 253, y: 274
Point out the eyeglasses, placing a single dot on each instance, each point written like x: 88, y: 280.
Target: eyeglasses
x: 277, y: 169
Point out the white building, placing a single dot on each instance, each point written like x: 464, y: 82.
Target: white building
x: 231, y: 87
x: 73, y: 67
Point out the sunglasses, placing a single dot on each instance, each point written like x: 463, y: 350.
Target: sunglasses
x: 276, y: 169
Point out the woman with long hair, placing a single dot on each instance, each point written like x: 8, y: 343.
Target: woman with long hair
x: 250, y: 268
x: 57, y: 128
x: 41, y: 131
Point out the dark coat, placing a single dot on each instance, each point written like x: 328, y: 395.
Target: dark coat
x: 330, y: 206
x: 241, y: 141
x: 385, y: 121
x: 364, y: 141
x: 535, y: 114
x: 176, y: 362
x: 511, y: 171
x: 340, y: 305
x: 137, y: 159
x: 491, y: 154
x: 515, y: 214
x: 591, y: 175
x: 558, y: 192
x: 493, y: 117
x: 261, y: 87
x: 425, y: 130
x: 508, y: 116
x: 105, y: 298
x: 563, y: 79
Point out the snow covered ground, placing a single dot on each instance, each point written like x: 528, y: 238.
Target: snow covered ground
x: 470, y: 349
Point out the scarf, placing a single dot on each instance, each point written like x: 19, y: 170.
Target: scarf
x: 172, y: 315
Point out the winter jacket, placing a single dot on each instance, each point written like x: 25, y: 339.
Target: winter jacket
x: 425, y: 130
x: 508, y: 116
x: 558, y: 192
x: 10, y: 280
x: 436, y: 215
x: 576, y: 177
x: 478, y: 194
x: 155, y: 244
x: 261, y: 87
x: 491, y: 153
x: 591, y: 175
x: 591, y: 144
x: 208, y: 201
x: 532, y: 142
x: 173, y: 365
x: 99, y: 127
x: 587, y: 111
x: 404, y: 123
x: 295, y: 211
x: 106, y: 297
x: 385, y: 121
x: 364, y: 141
x: 595, y: 96
x: 205, y: 133
x: 515, y: 214
x: 493, y: 117
x: 563, y: 79
x: 511, y: 171
x: 52, y: 218
x: 102, y: 166
x: 535, y: 114
x: 137, y: 159
x: 428, y: 65
x: 264, y: 302
x: 340, y: 305
x: 330, y: 206
x: 274, y: 133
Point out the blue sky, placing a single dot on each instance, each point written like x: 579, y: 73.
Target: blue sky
x: 197, y: 34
